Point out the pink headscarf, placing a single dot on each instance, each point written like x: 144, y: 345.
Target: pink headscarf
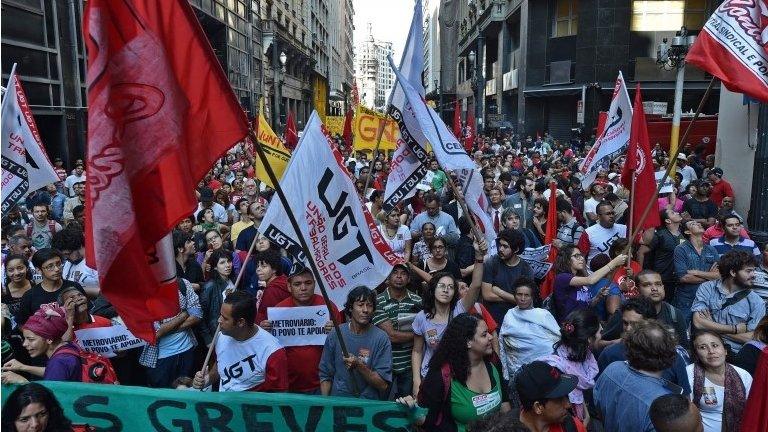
x: 49, y: 322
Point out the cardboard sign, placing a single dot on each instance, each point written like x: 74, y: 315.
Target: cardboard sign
x: 299, y: 326
x: 107, y: 340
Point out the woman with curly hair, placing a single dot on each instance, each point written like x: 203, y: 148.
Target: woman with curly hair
x: 18, y: 280
x: 461, y: 385
x: 32, y: 407
x: 579, y: 334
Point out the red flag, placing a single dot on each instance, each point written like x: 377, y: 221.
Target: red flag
x: 290, y: 136
x: 602, y: 117
x: 457, y: 120
x: 639, y: 167
x: 469, y: 139
x: 348, y: 128
x: 549, y: 237
x: 756, y: 410
x: 160, y: 113
x: 731, y: 47
x: 355, y: 95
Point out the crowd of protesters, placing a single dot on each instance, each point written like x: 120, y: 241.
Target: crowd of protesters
x: 661, y: 332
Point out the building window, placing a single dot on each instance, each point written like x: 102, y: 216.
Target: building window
x: 668, y: 15
x: 566, y: 19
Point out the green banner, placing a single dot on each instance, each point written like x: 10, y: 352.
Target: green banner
x: 127, y: 408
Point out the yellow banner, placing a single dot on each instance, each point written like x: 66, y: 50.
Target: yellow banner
x: 365, y: 127
x: 320, y: 96
x: 277, y: 154
x: 335, y: 124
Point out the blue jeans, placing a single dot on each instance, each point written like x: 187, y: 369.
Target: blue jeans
x: 402, y: 384
x: 170, y: 368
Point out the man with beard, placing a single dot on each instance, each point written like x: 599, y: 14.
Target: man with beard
x: 695, y: 263
x: 598, y: 238
x: 732, y: 240
x: 699, y: 207
x: 367, y: 371
x: 501, y: 273
x: 78, y: 176
x: 256, y: 212
x: 41, y: 229
x: 650, y: 286
x: 522, y: 201
x: 71, y: 203
x: 657, y: 249
x: 728, y: 306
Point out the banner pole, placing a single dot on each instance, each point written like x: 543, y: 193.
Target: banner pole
x: 307, y: 253
x: 379, y: 134
x: 672, y: 157
x: 628, y: 250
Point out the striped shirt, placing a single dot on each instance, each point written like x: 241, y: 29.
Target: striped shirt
x: 742, y: 245
x: 400, y: 314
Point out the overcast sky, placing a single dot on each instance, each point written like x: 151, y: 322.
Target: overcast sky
x: 390, y: 18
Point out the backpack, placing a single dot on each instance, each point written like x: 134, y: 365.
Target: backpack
x: 96, y: 369
x: 51, y: 228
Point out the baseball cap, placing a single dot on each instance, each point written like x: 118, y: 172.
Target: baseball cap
x: 681, y: 156
x: 402, y: 266
x: 612, y: 176
x: 717, y: 171
x: 539, y: 380
x: 206, y: 195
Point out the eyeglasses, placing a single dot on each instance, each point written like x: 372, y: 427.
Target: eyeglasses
x: 608, y: 214
x: 213, y: 238
x: 577, y: 256
x: 53, y: 266
x: 445, y: 286
x: 438, y: 247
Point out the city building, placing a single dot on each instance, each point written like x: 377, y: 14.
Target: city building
x: 528, y: 63
x: 432, y: 51
x: 372, y: 71
x: 342, y: 66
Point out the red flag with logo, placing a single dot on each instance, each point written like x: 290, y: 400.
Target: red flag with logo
x: 469, y: 137
x: 550, y: 235
x: 348, y: 128
x: 291, y: 137
x: 732, y: 47
x: 160, y: 113
x: 639, y: 166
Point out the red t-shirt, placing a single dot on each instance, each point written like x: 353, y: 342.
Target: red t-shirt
x: 303, y: 361
x: 275, y: 292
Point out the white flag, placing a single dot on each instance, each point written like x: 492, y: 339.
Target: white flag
x: 425, y: 125
x: 409, y: 162
x: 614, y: 140
x: 26, y: 166
x: 341, y: 234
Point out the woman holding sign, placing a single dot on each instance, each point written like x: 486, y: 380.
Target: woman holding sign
x: 442, y: 302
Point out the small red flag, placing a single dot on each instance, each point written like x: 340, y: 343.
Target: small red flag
x: 549, y: 279
x: 639, y: 168
x: 160, y: 113
x: 755, y: 417
x: 469, y: 138
x: 291, y: 137
x: 348, y: 128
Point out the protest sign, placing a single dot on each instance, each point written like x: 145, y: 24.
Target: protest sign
x: 668, y: 183
x: 128, y: 408
x: 277, y: 154
x: 107, y: 340
x: 366, y: 128
x: 537, y: 259
x: 335, y: 125
x: 299, y: 326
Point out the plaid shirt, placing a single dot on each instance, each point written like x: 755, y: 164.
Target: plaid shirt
x: 189, y: 303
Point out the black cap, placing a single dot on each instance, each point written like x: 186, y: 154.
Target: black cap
x: 538, y: 380
x: 402, y: 266
x: 717, y: 171
x: 206, y: 195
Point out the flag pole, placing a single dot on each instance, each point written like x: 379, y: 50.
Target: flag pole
x: 379, y: 134
x: 305, y: 248
x: 628, y: 250
x: 653, y: 200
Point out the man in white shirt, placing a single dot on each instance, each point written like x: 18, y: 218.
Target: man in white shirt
x: 206, y: 201
x: 78, y: 176
x: 248, y: 358
x: 597, y: 193
x: 687, y: 171
x: 598, y: 238
x: 71, y: 243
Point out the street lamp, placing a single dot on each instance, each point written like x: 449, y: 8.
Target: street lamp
x: 669, y: 57
x: 477, y: 84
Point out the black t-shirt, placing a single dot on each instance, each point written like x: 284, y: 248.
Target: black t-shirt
x: 503, y: 276
x: 37, y: 296
x: 663, y: 246
x: 193, y: 273
x: 450, y: 267
x: 700, y: 210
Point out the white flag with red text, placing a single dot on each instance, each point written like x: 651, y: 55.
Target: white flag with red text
x: 732, y: 47
x: 26, y: 166
x: 339, y: 230
x: 614, y: 140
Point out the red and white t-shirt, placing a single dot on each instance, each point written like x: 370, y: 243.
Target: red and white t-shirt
x: 255, y: 364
